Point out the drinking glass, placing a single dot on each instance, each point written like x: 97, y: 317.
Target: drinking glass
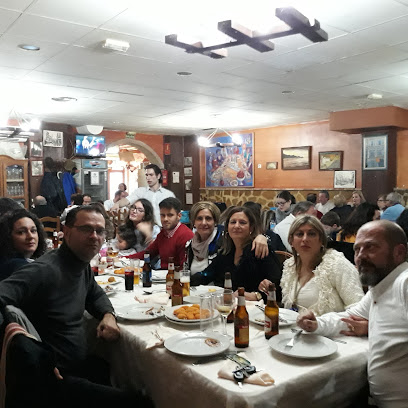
x: 206, y: 312
x: 113, y: 249
x: 224, y: 303
x: 185, y: 282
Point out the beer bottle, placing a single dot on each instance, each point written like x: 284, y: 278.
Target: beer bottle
x: 55, y: 239
x: 177, y: 288
x: 170, y: 275
x: 271, y: 313
x: 241, y: 321
x: 228, y: 285
x: 147, y: 271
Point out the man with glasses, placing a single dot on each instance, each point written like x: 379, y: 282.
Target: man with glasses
x: 154, y: 192
x: 393, y: 207
x: 55, y: 291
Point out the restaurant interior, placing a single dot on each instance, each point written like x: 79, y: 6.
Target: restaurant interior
x: 235, y: 101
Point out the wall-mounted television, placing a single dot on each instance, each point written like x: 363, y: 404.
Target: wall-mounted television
x: 90, y: 146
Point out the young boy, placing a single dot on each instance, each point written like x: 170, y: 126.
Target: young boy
x: 171, y: 241
x: 126, y: 240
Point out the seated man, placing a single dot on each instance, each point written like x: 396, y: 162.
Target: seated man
x: 108, y: 204
x: 42, y: 209
x: 331, y: 224
x: 380, y: 253
x: 55, y: 290
x: 171, y: 241
x: 394, y: 208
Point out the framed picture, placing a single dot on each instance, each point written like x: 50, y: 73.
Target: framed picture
x: 271, y: 165
x: 188, y: 171
x: 188, y: 183
x: 37, y: 168
x: 52, y: 138
x: 36, y: 149
x: 331, y: 160
x: 345, y: 179
x: 375, y: 152
x: 296, y: 158
x: 188, y: 161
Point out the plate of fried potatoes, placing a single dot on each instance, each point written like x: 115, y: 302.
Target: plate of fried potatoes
x: 188, y: 314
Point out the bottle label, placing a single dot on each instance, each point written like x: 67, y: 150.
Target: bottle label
x: 169, y: 286
x: 268, y: 324
x: 243, y: 333
x: 170, y: 266
x: 241, y: 300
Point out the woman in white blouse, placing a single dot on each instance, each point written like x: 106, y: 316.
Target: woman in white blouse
x: 316, y: 278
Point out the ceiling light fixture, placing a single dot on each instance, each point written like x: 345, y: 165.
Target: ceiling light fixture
x: 184, y: 73
x: 297, y: 22
x: 64, y: 99
x: 205, y: 141
x: 29, y: 47
x: 288, y: 92
x: 116, y: 45
x: 375, y: 96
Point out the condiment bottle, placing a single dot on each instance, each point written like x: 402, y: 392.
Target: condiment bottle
x: 241, y: 321
x: 228, y: 285
x: 170, y: 275
x: 271, y: 327
x: 55, y: 240
x: 177, y: 288
x: 147, y: 271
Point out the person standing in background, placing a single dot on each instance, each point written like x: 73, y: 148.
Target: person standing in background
x: 51, y: 187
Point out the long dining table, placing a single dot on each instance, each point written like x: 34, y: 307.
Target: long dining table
x: 175, y: 380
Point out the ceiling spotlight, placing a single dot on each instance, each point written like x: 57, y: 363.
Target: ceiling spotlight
x: 64, y: 99
x: 375, y: 96
x: 288, y: 92
x: 116, y: 45
x: 183, y: 73
x: 29, y: 47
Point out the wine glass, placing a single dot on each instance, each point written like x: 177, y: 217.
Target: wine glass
x: 224, y: 302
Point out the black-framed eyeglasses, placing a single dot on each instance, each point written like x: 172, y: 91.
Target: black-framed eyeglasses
x: 281, y: 203
x: 139, y: 210
x: 88, y: 230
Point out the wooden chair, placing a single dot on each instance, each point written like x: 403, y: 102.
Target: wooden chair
x: 49, y: 223
x: 283, y: 256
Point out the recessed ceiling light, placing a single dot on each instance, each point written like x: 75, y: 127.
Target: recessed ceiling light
x: 184, y: 73
x: 64, y: 99
x: 374, y: 96
x: 29, y: 47
x: 288, y: 92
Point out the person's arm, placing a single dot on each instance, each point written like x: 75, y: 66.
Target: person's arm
x: 123, y: 202
x: 108, y: 328
x: 260, y: 245
x: 208, y: 274
x: 153, y: 249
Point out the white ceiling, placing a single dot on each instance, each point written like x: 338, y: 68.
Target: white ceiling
x: 367, y: 52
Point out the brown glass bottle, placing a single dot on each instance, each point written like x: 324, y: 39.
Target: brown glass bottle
x: 55, y: 239
x: 271, y: 313
x: 228, y: 285
x: 241, y: 322
x: 170, y: 275
x: 147, y: 271
x: 177, y: 289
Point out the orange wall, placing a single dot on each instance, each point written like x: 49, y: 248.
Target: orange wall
x: 402, y: 162
x: 154, y: 141
x: 269, y: 141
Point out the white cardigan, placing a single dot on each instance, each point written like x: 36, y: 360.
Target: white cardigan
x: 336, y: 278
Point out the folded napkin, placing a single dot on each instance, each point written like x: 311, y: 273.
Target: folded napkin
x: 159, y: 335
x: 259, y: 378
x: 161, y: 298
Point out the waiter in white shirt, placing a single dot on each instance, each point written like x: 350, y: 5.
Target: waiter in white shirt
x: 380, y: 253
x: 154, y: 192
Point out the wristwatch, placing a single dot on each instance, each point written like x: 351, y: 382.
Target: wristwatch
x: 258, y: 296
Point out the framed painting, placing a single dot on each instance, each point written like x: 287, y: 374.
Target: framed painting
x: 228, y: 164
x: 36, y: 149
x: 331, y: 160
x: 375, y: 152
x: 296, y: 158
x: 271, y: 165
x: 345, y: 179
x: 37, y: 168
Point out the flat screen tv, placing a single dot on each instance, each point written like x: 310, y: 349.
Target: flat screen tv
x: 90, y: 146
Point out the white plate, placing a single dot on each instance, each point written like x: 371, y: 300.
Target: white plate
x: 257, y: 316
x: 138, y: 312
x: 191, y: 299
x: 170, y: 316
x: 307, y: 346
x: 103, y: 280
x: 159, y: 275
x: 204, y: 289
x: 194, y: 344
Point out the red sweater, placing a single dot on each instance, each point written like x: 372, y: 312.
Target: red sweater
x: 166, y: 247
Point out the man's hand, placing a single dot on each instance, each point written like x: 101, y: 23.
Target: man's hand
x: 146, y: 229
x: 260, y: 244
x: 357, y: 326
x: 307, y: 321
x: 115, y: 207
x: 108, y: 329
x: 264, y: 286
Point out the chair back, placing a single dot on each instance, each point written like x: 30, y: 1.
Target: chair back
x: 283, y: 256
x: 118, y: 217
x: 51, y: 224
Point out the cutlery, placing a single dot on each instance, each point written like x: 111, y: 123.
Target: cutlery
x: 281, y: 319
x: 150, y: 292
x: 291, y: 342
x: 331, y: 338
x: 208, y: 359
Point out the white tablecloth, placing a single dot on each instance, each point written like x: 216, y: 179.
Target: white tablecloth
x: 172, y: 380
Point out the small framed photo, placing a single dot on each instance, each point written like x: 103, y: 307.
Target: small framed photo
x: 52, y: 138
x: 296, y: 158
x: 375, y: 152
x: 271, y: 165
x: 37, y: 168
x: 36, y: 149
x: 188, y: 161
x: 188, y: 171
x: 331, y: 160
x: 345, y: 179
x: 188, y: 184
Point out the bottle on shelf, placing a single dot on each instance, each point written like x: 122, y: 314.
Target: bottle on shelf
x: 170, y: 275
x: 147, y: 271
x: 228, y: 285
x: 271, y: 327
x: 241, y: 321
x: 177, y: 288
